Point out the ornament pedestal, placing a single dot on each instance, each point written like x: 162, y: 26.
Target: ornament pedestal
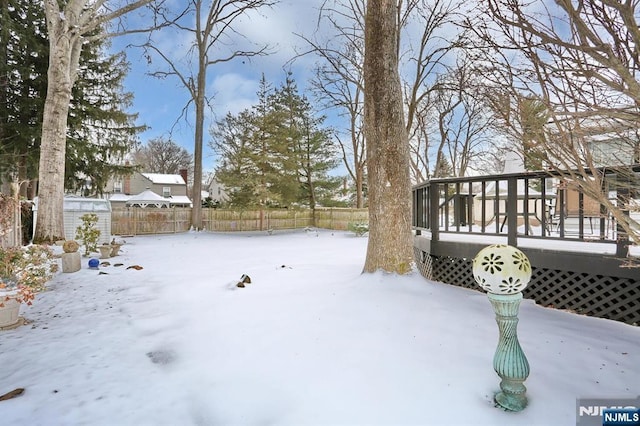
x: 509, y: 360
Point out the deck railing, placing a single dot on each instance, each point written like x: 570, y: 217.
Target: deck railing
x: 532, y: 205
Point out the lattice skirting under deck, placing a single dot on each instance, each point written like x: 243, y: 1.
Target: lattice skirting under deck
x: 423, y: 262
x: 596, y: 295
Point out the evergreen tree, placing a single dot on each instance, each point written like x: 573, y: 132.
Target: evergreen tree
x: 276, y: 153
x: 287, y: 113
x: 23, y: 68
x: 269, y: 151
x: 311, y: 148
x: 99, y: 132
x: 237, y: 171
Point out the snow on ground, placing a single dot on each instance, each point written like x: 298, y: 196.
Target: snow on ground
x: 311, y: 341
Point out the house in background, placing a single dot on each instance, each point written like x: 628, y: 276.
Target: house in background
x: 217, y: 192
x: 170, y: 187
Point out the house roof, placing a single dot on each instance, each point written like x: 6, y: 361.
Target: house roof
x: 164, y: 179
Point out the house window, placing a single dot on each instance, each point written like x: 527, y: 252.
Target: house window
x: 117, y: 187
x: 166, y: 191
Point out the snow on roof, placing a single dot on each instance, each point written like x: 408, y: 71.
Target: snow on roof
x: 180, y: 199
x: 147, y: 198
x: 119, y: 197
x: 73, y: 202
x: 164, y: 179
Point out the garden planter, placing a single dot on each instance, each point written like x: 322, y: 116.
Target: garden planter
x: 11, y: 309
x: 115, y: 249
x: 105, y: 252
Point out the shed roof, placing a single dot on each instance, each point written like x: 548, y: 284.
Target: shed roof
x: 82, y: 204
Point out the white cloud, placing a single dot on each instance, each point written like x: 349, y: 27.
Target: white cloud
x: 277, y: 27
x: 232, y: 93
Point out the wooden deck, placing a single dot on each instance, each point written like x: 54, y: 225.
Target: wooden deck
x: 582, y: 260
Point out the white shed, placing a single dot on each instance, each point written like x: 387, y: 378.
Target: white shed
x: 75, y: 207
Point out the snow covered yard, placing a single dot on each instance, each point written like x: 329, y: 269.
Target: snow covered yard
x: 309, y: 341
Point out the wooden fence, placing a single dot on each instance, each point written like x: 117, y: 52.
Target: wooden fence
x: 139, y: 221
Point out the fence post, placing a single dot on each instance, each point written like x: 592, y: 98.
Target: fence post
x: 330, y: 218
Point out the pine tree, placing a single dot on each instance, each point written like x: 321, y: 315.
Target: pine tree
x: 287, y: 113
x: 237, y: 171
x: 99, y: 132
x: 312, y: 152
x: 276, y: 153
x: 23, y: 67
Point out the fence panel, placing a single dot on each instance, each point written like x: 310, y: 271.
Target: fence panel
x: 339, y: 218
x: 138, y: 221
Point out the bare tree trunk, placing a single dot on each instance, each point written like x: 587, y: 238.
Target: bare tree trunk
x: 64, y: 54
x: 389, y: 187
x: 209, y: 23
x: 67, y: 23
x: 196, y: 212
x: 359, y: 188
x: 339, y: 80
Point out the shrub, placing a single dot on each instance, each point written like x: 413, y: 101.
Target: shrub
x: 88, y: 233
x: 25, y: 271
x: 358, y: 228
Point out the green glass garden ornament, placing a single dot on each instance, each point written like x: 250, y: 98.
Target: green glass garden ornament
x: 504, y: 271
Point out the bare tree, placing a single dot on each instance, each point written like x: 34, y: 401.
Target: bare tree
x: 209, y: 26
x: 464, y: 121
x: 430, y: 34
x: 338, y: 80
x: 163, y: 156
x: 578, y: 61
x: 424, y: 63
x: 389, y: 187
x: 68, y: 23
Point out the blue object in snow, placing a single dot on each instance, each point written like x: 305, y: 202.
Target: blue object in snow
x: 93, y: 263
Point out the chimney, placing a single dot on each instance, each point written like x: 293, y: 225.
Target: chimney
x: 183, y: 173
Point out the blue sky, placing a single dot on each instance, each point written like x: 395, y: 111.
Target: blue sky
x: 233, y: 85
